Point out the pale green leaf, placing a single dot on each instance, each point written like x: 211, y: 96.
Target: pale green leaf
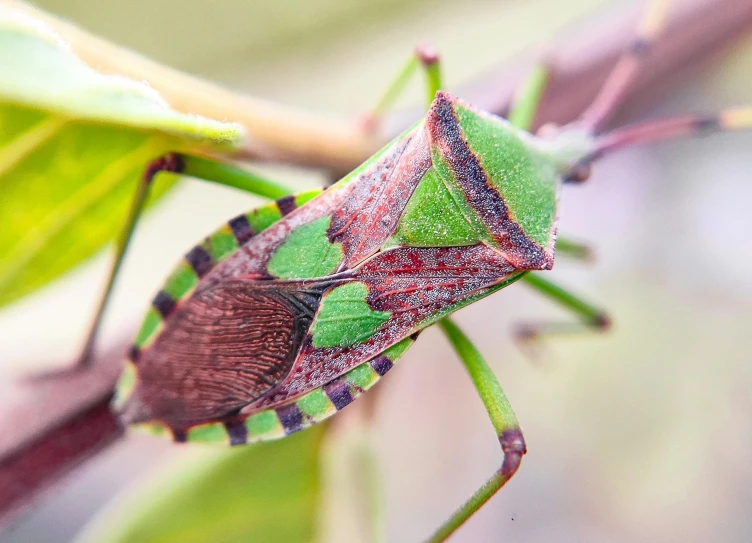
x: 264, y: 492
x: 73, y: 143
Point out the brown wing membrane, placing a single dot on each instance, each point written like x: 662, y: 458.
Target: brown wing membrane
x: 223, y: 348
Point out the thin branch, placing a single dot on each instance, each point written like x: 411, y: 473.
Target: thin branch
x: 275, y: 132
x: 52, y: 424
x: 696, y: 32
x: 284, y: 134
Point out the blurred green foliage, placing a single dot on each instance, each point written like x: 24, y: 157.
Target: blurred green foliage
x: 266, y: 492
x: 72, y: 145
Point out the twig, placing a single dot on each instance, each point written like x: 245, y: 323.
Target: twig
x: 275, y: 132
x: 284, y: 134
x: 52, y: 424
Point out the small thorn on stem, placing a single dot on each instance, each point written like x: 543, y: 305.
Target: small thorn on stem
x: 639, y: 47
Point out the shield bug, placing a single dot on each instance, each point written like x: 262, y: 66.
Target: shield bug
x: 286, y: 314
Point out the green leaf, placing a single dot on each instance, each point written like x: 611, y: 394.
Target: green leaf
x: 263, y: 492
x: 73, y: 143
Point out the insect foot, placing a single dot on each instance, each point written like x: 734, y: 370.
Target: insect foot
x: 513, y: 446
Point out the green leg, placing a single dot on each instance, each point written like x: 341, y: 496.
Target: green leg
x: 574, y: 249
x: 425, y: 58
x: 200, y: 168
x: 522, y: 115
x: 528, y: 97
x: 504, y: 422
x: 589, y: 316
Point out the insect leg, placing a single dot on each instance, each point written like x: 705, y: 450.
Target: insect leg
x: 574, y: 249
x: 503, y: 419
x: 589, y: 316
x: 200, y: 168
x: 528, y: 96
x: 233, y: 176
x: 424, y: 57
x: 672, y: 127
x: 617, y: 84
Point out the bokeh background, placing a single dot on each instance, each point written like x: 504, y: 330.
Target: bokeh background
x: 643, y: 434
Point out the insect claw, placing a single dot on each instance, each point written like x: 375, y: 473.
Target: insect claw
x: 427, y: 54
x: 603, y: 322
x: 514, y: 447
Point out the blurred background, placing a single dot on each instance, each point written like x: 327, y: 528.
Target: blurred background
x: 642, y: 434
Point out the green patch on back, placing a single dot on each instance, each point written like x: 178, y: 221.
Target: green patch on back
x: 150, y: 327
x: 214, y: 432
x: 527, y: 181
x: 345, y: 318
x: 307, y: 253
x: 434, y: 218
x: 460, y: 204
x: 181, y: 281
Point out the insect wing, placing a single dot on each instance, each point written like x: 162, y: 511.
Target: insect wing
x: 227, y: 346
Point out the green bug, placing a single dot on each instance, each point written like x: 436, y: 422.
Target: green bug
x: 286, y: 314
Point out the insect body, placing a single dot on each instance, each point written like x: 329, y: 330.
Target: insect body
x: 286, y: 314
x: 251, y: 335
